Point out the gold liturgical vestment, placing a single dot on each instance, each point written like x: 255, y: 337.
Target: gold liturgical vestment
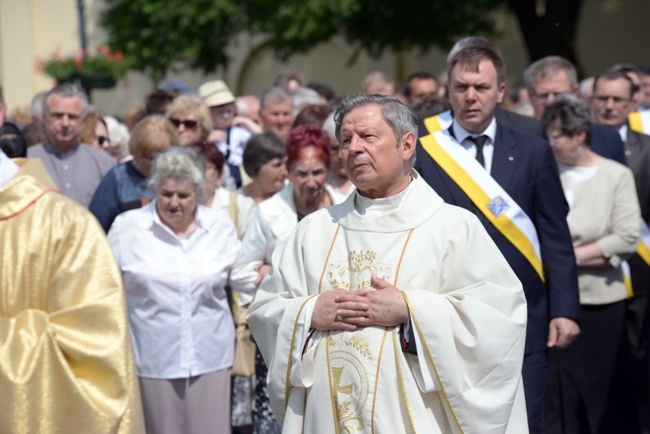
x: 66, y: 364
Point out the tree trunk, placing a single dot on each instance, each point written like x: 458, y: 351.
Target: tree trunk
x: 549, y: 27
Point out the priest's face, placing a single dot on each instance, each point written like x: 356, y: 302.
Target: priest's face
x: 374, y: 159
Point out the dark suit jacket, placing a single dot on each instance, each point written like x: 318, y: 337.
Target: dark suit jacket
x: 524, y: 166
x: 637, y: 148
x: 605, y: 141
x: 519, y: 122
x: 608, y: 143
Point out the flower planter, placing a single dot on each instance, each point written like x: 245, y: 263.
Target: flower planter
x: 97, y: 81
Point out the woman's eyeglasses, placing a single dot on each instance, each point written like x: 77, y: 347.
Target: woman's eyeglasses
x: 187, y: 124
x: 103, y: 139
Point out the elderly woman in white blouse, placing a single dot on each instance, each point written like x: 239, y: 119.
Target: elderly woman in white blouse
x: 604, y: 221
x: 175, y: 256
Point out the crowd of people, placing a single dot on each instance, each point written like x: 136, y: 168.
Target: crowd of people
x: 448, y: 254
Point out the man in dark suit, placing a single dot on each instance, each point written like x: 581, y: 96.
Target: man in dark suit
x: 554, y: 75
x: 524, y: 167
x: 612, y: 103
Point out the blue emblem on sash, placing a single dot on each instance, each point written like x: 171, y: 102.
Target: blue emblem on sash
x: 498, y: 206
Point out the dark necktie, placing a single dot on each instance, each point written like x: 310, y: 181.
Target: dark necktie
x: 479, y: 142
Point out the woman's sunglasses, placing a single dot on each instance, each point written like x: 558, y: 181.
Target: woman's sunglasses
x: 103, y: 139
x: 189, y: 125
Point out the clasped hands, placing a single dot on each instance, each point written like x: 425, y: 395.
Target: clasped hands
x: 348, y: 310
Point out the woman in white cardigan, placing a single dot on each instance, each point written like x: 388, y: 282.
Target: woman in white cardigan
x: 308, y: 159
x: 604, y: 221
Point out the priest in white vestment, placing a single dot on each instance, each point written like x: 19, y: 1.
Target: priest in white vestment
x: 392, y: 312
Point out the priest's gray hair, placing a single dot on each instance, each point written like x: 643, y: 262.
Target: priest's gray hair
x: 66, y: 90
x: 180, y: 164
x: 399, y: 117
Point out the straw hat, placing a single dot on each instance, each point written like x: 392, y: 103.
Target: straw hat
x: 215, y: 93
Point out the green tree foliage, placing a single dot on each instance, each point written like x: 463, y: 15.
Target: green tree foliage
x: 160, y: 35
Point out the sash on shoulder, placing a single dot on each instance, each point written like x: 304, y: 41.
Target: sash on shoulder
x: 439, y: 122
x: 639, y: 121
x: 488, y: 196
x: 644, y: 243
x: 644, y: 252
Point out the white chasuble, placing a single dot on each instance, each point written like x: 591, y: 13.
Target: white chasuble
x: 466, y: 305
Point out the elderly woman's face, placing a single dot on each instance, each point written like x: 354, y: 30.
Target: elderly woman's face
x: 566, y: 149
x: 308, y: 176
x: 176, y: 202
x: 188, y: 127
x: 272, y: 175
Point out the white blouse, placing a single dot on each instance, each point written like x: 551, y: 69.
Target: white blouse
x: 180, y: 322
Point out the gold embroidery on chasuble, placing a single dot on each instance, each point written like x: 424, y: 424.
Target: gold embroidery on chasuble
x: 355, y: 272
x: 354, y: 358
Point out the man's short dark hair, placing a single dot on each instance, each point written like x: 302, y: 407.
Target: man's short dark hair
x: 430, y: 105
x: 628, y: 69
x: 420, y: 75
x: 259, y: 150
x: 615, y: 74
x: 323, y: 90
x: 471, y: 56
x: 157, y: 101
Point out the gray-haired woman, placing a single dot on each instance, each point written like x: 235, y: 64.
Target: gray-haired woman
x: 604, y: 221
x: 175, y: 255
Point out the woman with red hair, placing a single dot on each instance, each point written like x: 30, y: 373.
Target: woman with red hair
x: 308, y: 160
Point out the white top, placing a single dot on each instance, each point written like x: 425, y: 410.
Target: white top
x: 8, y: 169
x: 180, y: 321
x: 463, y: 137
x: 235, y: 147
x: 245, y: 207
x: 623, y: 132
x: 272, y: 221
x: 574, y: 175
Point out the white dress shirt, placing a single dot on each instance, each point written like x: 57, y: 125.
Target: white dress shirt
x: 180, y: 321
x: 463, y: 137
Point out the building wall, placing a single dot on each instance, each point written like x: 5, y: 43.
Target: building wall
x: 610, y: 31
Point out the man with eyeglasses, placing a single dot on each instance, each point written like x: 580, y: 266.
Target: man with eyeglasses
x: 230, y: 139
x: 77, y: 168
x: 612, y: 103
x: 554, y: 75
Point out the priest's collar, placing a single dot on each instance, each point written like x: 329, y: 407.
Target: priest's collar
x: 461, y: 133
x: 375, y: 207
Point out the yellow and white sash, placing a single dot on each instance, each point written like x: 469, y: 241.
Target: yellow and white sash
x: 640, y: 121
x: 643, y: 251
x: 488, y: 196
x: 439, y: 122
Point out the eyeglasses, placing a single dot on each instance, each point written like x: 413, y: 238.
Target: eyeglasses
x: 187, y: 124
x: 103, y: 139
x: 603, y: 99
x: 222, y: 112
